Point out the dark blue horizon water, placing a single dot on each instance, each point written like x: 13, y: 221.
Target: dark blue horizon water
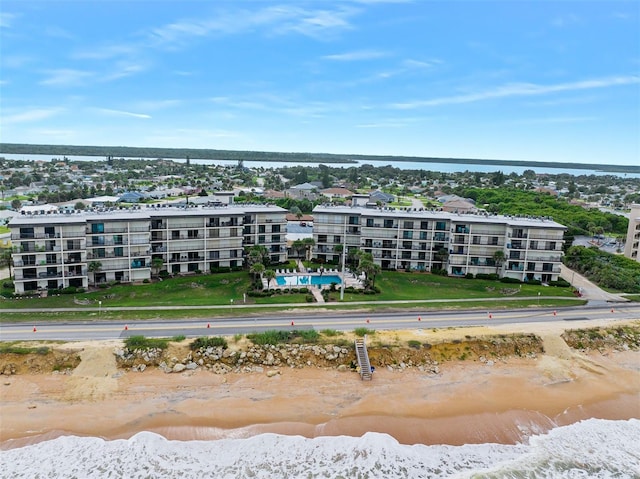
x: 403, y: 165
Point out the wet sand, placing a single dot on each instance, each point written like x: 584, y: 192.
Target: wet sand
x: 467, y: 402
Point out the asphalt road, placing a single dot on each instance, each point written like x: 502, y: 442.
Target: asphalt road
x: 96, y: 330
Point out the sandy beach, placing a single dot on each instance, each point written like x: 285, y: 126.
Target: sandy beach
x: 466, y: 402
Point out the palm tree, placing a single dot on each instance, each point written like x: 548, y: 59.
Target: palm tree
x: 95, y: 267
x: 156, y: 265
x: 258, y: 254
x: 7, y: 258
x: 369, y: 268
x: 269, y: 275
x: 339, y: 248
x: 442, y: 255
x: 308, y: 245
x: 298, y: 246
x: 257, y: 269
x: 498, y: 258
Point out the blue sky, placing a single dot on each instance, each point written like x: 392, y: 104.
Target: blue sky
x: 515, y: 80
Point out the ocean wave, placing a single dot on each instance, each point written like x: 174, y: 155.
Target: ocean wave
x: 593, y: 448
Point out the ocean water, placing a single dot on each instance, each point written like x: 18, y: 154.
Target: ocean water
x: 593, y: 448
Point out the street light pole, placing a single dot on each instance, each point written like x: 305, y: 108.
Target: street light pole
x: 99, y: 308
x: 344, y: 255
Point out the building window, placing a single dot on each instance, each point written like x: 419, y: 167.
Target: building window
x: 97, y: 228
x: 441, y: 225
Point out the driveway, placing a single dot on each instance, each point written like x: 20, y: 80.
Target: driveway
x: 589, y: 290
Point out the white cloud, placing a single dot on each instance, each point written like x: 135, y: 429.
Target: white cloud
x: 280, y: 19
x: 551, y: 120
x: 6, y: 19
x: 520, y: 90
x: 565, y: 20
x: 155, y: 105
x: 122, y: 70
x: 66, y: 77
x: 108, y: 111
x: 27, y: 116
x: 356, y: 55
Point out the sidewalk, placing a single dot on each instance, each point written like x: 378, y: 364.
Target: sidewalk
x: 589, y: 291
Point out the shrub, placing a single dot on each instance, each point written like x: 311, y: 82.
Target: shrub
x: 469, y: 276
x: 330, y: 333
x: 140, y: 342
x: 562, y: 283
x: 212, y: 342
x: 414, y: 344
x: 510, y: 280
x: 307, y: 335
x: 309, y: 298
x: 178, y: 338
x: 146, y: 280
x: 363, y: 331
x: 163, y: 274
x: 8, y: 284
x: 272, y: 337
x: 439, y: 271
x: 489, y: 276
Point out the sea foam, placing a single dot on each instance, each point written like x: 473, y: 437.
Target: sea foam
x: 593, y: 448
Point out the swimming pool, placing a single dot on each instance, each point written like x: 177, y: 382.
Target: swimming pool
x: 306, y: 280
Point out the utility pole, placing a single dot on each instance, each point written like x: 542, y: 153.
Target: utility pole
x: 344, y: 256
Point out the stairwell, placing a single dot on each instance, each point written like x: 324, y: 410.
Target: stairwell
x: 363, y: 359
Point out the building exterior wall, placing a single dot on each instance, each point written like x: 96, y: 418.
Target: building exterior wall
x: 52, y: 251
x: 632, y: 245
x: 433, y: 240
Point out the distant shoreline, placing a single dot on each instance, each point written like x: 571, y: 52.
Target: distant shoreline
x: 298, y: 157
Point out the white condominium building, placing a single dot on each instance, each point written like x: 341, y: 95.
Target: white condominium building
x: 424, y: 240
x: 58, y: 250
x: 632, y: 245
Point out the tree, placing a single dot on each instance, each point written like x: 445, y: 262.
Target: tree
x: 498, y: 258
x: 95, y: 267
x: 369, y: 268
x: 258, y: 254
x: 338, y: 249
x: 269, y: 275
x: 298, y: 246
x: 16, y: 204
x: 308, y: 245
x: 441, y: 256
x: 156, y: 265
x: 257, y: 269
x: 79, y: 205
x: 7, y: 258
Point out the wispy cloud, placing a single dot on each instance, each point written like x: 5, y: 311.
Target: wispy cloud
x: 6, y: 19
x: 157, y: 105
x: 356, y: 55
x: 124, y: 69
x: 551, y: 120
x: 562, y: 21
x: 282, y: 19
x: 66, y: 77
x: 392, y: 122
x: 521, y: 90
x: 108, y: 111
x: 36, y: 114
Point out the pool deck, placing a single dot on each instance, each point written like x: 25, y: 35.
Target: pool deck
x: 349, y: 279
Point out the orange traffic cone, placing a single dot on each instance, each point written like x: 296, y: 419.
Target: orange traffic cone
x: 34, y: 329
x: 555, y: 313
x: 126, y: 328
x: 208, y: 325
x: 367, y: 320
x: 292, y: 323
x: 490, y: 316
x: 419, y: 318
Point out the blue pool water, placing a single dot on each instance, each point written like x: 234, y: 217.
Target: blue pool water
x: 305, y: 280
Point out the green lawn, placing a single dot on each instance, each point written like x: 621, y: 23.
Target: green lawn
x: 220, y: 289
x: 406, y: 286
x: 4, y: 229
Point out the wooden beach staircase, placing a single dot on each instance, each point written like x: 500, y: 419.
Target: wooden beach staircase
x: 363, y: 359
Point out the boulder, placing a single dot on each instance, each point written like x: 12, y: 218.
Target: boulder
x: 179, y: 367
